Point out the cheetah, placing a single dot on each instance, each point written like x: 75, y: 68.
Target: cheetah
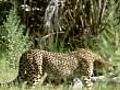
x: 35, y: 63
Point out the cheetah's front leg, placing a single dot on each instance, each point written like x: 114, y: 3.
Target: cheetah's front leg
x: 87, y: 82
x: 34, y: 70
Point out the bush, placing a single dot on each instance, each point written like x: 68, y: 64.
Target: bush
x: 12, y: 40
x: 109, y: 40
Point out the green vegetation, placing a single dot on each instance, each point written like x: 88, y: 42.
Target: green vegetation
x: 90, y: 24
x: 12, y: 44
x: 64, y: 87
x: 109, y: 40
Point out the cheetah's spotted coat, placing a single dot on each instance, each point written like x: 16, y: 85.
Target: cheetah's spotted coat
x: 35, y: 63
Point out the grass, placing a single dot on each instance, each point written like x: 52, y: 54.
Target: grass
x: 62, y: 87
x: 6, y: 75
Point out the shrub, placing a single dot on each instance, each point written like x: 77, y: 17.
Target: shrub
x: 12, y: 40
x: 109, y: 40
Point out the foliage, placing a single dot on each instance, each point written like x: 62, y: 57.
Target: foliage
x: 81, y: 21
x: 109, y: 40
x: 5, y: 7
x: 12, y: 40
x: 76, y: 23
